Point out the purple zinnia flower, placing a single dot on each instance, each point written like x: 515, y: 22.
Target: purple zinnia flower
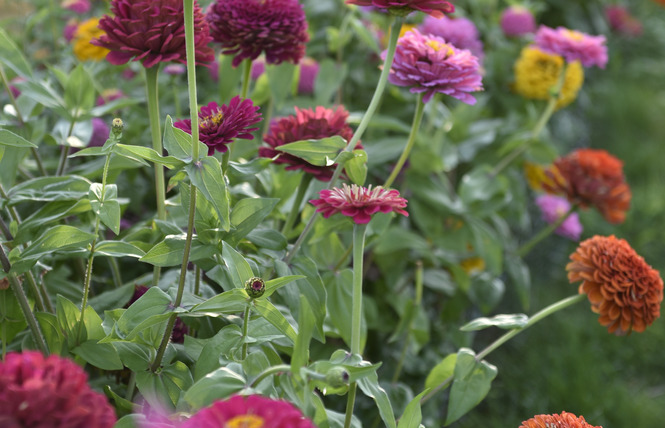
x: 517, y: 21
x: 434, y: 8
x: 359, y: 203
x: 246, y: 28
x: 553, y: 208
x: 78, y: 6
x: 70, y: 29
x: 49, y: 392
x: 219, y: 125
x: 428, y: 65
x: 460, y: 32
x: 152, y: 31
x: 573, y: 45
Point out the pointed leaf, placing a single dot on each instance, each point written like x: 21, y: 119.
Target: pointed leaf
x: 12, y: 56
x: 505, y: 321
x: 118, y: 249
x: 141, y: 154
x: 300, y: 356
x: 104, y: 203
x: 248, y: 213
x: 169, y: 251
x: 412, y: 414
x: 219, y: 384
x: 275, y: 317
x: 317, y: 152
x: 206, y: 175
x: 178, y: 143
x: 370, y: 387
x: 441, y: 372
x: 237, y: 267
x: 8, y: 138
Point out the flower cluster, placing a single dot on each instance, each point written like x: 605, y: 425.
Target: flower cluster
x: 247, y: 28
x: 620, y: 285
x: 459, y: 32
x: 434, y: 8
x: 359, y: 203
x: 564, y: 420
x: 427, y: 64
x: 52, y: 392
x: 572, y: 45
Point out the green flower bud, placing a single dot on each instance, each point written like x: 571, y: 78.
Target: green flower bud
x: 116, y: 126
x: 337, y: 377
x: 255, y: 287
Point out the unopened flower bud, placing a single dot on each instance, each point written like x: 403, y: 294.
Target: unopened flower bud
x: 255, y: 287
x: 117, y: 125
x: 337, y: 377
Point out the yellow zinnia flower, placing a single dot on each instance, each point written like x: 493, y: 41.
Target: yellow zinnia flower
x: 535, y: 175
x: 83, y: 49
x: 537, y: 72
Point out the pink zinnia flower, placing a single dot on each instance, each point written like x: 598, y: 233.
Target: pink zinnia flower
x: 434, y: 8
x: 553, y: 208
x: 573, y: 45
x: 251, y: 411
x: 307, y: 124
x: 175, y: 69
x: 219, y: 125
x: 78, y: 6
x: 109, y: 95
x: 246, y: 28
x: 428, y: 65
x: 360, y: 203
x: 517, y: 21
x: 152, y: 31
x: 51, y: 392
x: 460, y: 32
x: 70, y: 29
x: 622, y: 21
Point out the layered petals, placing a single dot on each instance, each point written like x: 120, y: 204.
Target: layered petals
x: 359, y: 203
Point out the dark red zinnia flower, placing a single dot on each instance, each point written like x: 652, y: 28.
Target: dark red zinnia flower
x: 564, y: 420
x: 152, y: 31
x: 620, y: 285
x: 245, y: 28
x: 180, y: 329
x: 359, y: 203
x: 53, y: 392
x: 591, y: 177
x: 307, y: 124
x: 434, y: 8
x: 219, y: 125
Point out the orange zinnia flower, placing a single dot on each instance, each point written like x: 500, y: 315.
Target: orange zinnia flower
x: 564, y: 420
x: 621, y: 286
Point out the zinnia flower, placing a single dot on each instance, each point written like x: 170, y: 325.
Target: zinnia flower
x: 573, y: 45
x: 78, y: 6
x: 537, y: 72
x: 553, y: 208
x: 622, y: 21
x: 517, y: 21
x: 434, y: 8
x: 359, y: 203
x: 564, y: 420
x: 109, y: 95
x: 535, y: 175
x: 428, y: 65
x: 70, y: 28
x: 620, y: 285
x: 246, y: 28
x: 591, y: 177
x: 100, y: 132
x: 307, y: 124
x: 253, y: 411
x: 152, y: 31
x: 51, y: 392
x: 83, y: 35
x: 460, y: 32
x: 219, y: 125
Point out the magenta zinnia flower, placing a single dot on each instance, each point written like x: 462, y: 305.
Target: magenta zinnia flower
x: 245, y: 28
x: 517, y: 21
x: 251, y: 411
x: 152, y: 31
x: 78, y: 6
x: 572, y: 45
x: 219, y: 125
x: 460, y: 32
x: 359, y: 202
x: 434, y: 8
x: 428, y: 65
x: 622, y: 21
x: 552, y: 208
x: 51, y: 392
x: 307, y: 124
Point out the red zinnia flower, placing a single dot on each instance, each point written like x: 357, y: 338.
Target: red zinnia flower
x: 251, y: 411
x: 621, y: 286
x: 564, y: 420
x: 152, y: 31
x: 51, y: 392
x: 591, y: 177
x: 219, y: 125
x: 359, y: 202
x: 245, y: 28
x: 434, y: 8
x: 307, y: 124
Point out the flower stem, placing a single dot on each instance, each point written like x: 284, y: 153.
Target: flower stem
x: 246, y: 74
x: 295, y: 209
x: 416, y: 304
x: 544, y: 233
x: 245, y: 329
x: 396, y: 25
x: 417, y: 119
x: 280, y: 368
x: 542, y: 314
x: 193, y: 114
x: 64, y: 151
x: 350, y: 404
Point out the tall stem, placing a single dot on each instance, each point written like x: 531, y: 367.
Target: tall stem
x: 245, y: 329
x: 246, y: 74
x: 417, y: 119
x: 64, y: 151
x: 544, y: 233
x: 295, y: 209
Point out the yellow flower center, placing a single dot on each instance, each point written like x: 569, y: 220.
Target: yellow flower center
x: 437, y: 46
x: 212, y: 121
x: 245, y: 421
x: 574, y: 35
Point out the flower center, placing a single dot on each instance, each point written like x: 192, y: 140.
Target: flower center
x: 437, y: 46
x: 574, y: 35
x: 245, y: 421
x: 212, y: 121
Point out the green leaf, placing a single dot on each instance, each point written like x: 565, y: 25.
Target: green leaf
x: 472, y: 382
x: 229, y: 302
x: 222, y: 344
x: 46, y: 189
x: 219, y: 384
x: 141, y: 154
x: 137, y: 357
x: 207, y: 176
x: 441, y: 371
x: 153, y: 302
x: 330, y: 78
x: 269, y: 239
x: 165, y: 386
x: 370, y: 387
x: 104, y: 203
x: 482, y: 193
x: 317, y: 152
x: 248, y: 213
x: 178, y: 143
x: 300, y: 356
x: 237, y: 267
x: 280, y: 78
x: 412, y: 414
x: 118, y: 249
x: 504, y: 321
x: 169, y: 251
x: 79, y: 92
x: 340, y: 296
x: 12, y: 56
x: 275, y: 317
x: 8, y: 138
x: 229, y: 79
x: 101, y: 355
x: 49, y: 213
x: 356, y: 167
x: 68, y: 315
x: 52, y: 333
x: 12, y: 320
x: 520, y: 277
x: 277, y: 283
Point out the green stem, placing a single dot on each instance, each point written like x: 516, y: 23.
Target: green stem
x: 396, y: 25
x: 538, y: 316
x: 350, y: 404
x: 305, y: 180
x: 131, y: 384
x: 245, y: 329
x: 416, y: 304
x: 64, y: 151
x: 544, y: 233
x: 417, y: 119
x: 197, y: 281
x: 115, y: 272
x: 280, y: 368
x: 246, y: 77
